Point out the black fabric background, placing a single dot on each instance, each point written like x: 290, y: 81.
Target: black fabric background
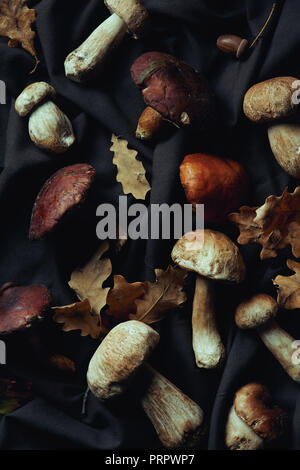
x: 187, y: 29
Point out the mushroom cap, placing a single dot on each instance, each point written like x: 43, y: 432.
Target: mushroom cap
x: 253, y: 404
x: 118, y: 358
x: 211, y: 254
x: 31, y: 96
x: 256, y: 311
x: 21, y: 305
x: 132, y: 13
x: 61, y: 193
x: 174, y: 89
x: 220, y: 184
x: 239, y: 436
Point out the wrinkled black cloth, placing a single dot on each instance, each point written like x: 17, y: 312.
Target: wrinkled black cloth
x: 111, y: 104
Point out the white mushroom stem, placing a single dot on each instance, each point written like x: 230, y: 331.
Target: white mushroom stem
x: 177, y: 419
x: 87, y: 58
x: 207, y: 344
x: 239, y: 436
x: 280, y: 343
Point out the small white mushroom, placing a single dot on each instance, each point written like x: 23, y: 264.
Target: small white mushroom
x: 259, y: 312
x: 216, y: 257
x: 84, y: 62
x: 49, y: 128
x: 176, y: 418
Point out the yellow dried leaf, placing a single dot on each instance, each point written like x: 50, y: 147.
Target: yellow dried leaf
x: 288, y: 287
x: 87, y: 282
x: 131, y: 173
x: 274, y: 225
x: 78, y: 316
x: 166, y: 293
x: 15, y: 23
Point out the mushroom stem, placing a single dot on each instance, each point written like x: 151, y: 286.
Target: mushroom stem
x: 239, y: 436
x: 279, y: 342
x: 149, y: 124
x: 85, y: 60
x: 207, y: 344
x: 177, y: 419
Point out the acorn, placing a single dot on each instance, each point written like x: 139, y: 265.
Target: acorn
x: 232, y: 44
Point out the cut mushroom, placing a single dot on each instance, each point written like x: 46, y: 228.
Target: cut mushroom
x: 259, y: 312
x: 253, y: 419
x: 176, y: 418
x: 84, y: 63
x: 174, y: 90
x: 215, y: 258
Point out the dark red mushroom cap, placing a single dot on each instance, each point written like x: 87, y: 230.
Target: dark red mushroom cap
x: 174, y: 89
x: 60, y: 194
x: 21, y: 305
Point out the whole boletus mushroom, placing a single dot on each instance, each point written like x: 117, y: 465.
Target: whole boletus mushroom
x: 253, y: 419
x: 284, y: 140
x: 212, y: 256
x: 174, y: 90
x: 61, y: 193
x: 220, y: 184
x: 259, y: 312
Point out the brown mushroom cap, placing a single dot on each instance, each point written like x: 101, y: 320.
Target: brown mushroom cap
x: 216, y: 258
x: 256, y: 311
x: 21, y: 305
x: 132, y: 13
x: 174, y: 89
x: 253, y: 404
x: 63, y: 191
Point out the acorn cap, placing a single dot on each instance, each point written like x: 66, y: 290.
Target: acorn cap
x: 213, y: 256
x: 61, y: 193
x: 174, y: 89
x: 256, y: 311
x: 20, y: 306
x: 31, y: 96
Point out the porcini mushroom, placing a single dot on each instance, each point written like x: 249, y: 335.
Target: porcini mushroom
x: 213, y: 256
x: 21, y: 306
x: 174, y: 90
x: 220, y: 184
x: 84, y: 62
x: 49, y: 128
x: 60, y: 194
x: 253, y: 419
x: 259, y: 312
x: 175, y: 417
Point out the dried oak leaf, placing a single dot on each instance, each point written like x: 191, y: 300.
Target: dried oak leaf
x: 15, y: 23
x: 62, y: 363
x: 160, y: 296
x: 274, y: 225
x: 288, y: 287
x: 87, y: 282
x: 78, y: 316
x: 121, y: 299
x: 13, y: 394
x: 131, y: 173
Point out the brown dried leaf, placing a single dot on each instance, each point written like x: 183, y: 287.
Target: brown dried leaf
x: 164, y: 294
x: 15, y: 23
x: 87, y: 282
x: 78, y: 316
x: 274, y: 225
x: 121, y: 299
x: 288, y: 287
x: 131, y: 173
x: 62, y: 363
